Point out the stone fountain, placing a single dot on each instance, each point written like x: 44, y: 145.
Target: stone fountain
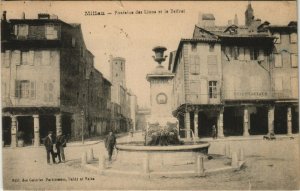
x: 162, y: 133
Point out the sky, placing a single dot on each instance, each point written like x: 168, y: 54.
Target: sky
x: 132, y: 36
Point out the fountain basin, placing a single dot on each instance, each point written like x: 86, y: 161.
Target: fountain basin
x: 136, y: 152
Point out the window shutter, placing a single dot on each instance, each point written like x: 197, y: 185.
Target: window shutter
x: 294, y: 60
x: 37, y: 58
x: 278, y: 60
x: 54, y: 57
x: 26, y: 30
x: 293, y: 37
x: 2, y: 59
x: 294, y: 87
x: 17, y: 89
x: 30, y: 57
x: 17, y: 57
x: 7, y: 58
x: 46, y: 91
x: 45, y: 57
x: 247, y: 54
x: 16, y: 30
x: 32, y: 89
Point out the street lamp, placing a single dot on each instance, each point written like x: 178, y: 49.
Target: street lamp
x: 82, y: 132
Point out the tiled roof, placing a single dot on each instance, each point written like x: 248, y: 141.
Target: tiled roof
x: 200, y: 40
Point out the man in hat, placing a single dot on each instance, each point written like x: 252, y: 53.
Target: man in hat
x: 61, y: 142
x: 49, y: 147
x: 110, y: 143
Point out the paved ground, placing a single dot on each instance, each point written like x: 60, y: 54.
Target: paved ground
x: 270, y: 165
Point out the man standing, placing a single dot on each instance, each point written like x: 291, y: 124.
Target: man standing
x: 110, y: 143
x: 49, y: 147
x: 61, y: 142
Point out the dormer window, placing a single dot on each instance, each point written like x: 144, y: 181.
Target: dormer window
x: 232, y: 31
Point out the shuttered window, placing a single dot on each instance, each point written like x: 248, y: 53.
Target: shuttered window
x: 16, y: 57
x: 37, y: 58
x: 24, y: 56
x: 294, y: 87
x: 194, y: 64
x: 293, y: 37
x: 278, y: 60
x: 45, y: 57
x: 48, y: 92
x: 294, y: 60
x: 212, y: 64
x: 51, y: 33
x: 5, y: 58
x: 21, y: 30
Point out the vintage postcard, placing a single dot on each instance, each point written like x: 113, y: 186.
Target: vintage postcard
x: 128, y: 95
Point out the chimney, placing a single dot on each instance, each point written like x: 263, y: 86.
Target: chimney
x: 229, y: 22
x: 4, y: 16
x: 236, y: 22
x: 207, y: 20
x: 23, y: 16
x: 43, y: 16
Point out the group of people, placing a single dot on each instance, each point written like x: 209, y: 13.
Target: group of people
x: 59, y: 142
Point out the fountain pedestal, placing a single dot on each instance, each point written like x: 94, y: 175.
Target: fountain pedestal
x: 161, y: 86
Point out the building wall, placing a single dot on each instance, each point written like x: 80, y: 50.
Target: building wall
x: 245, y: 79
x: 43, y: 89
x: 196, y: 67
x: 208, y: 68
x: 285, y: 77
x: 133, y: 110
x: 60, y: 71
x: 178, y: 88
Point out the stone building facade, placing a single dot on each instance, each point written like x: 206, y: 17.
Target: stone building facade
x: 49, y: 81
x: 241, y: 78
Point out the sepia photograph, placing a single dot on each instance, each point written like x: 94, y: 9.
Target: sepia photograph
x: 150, y: 95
